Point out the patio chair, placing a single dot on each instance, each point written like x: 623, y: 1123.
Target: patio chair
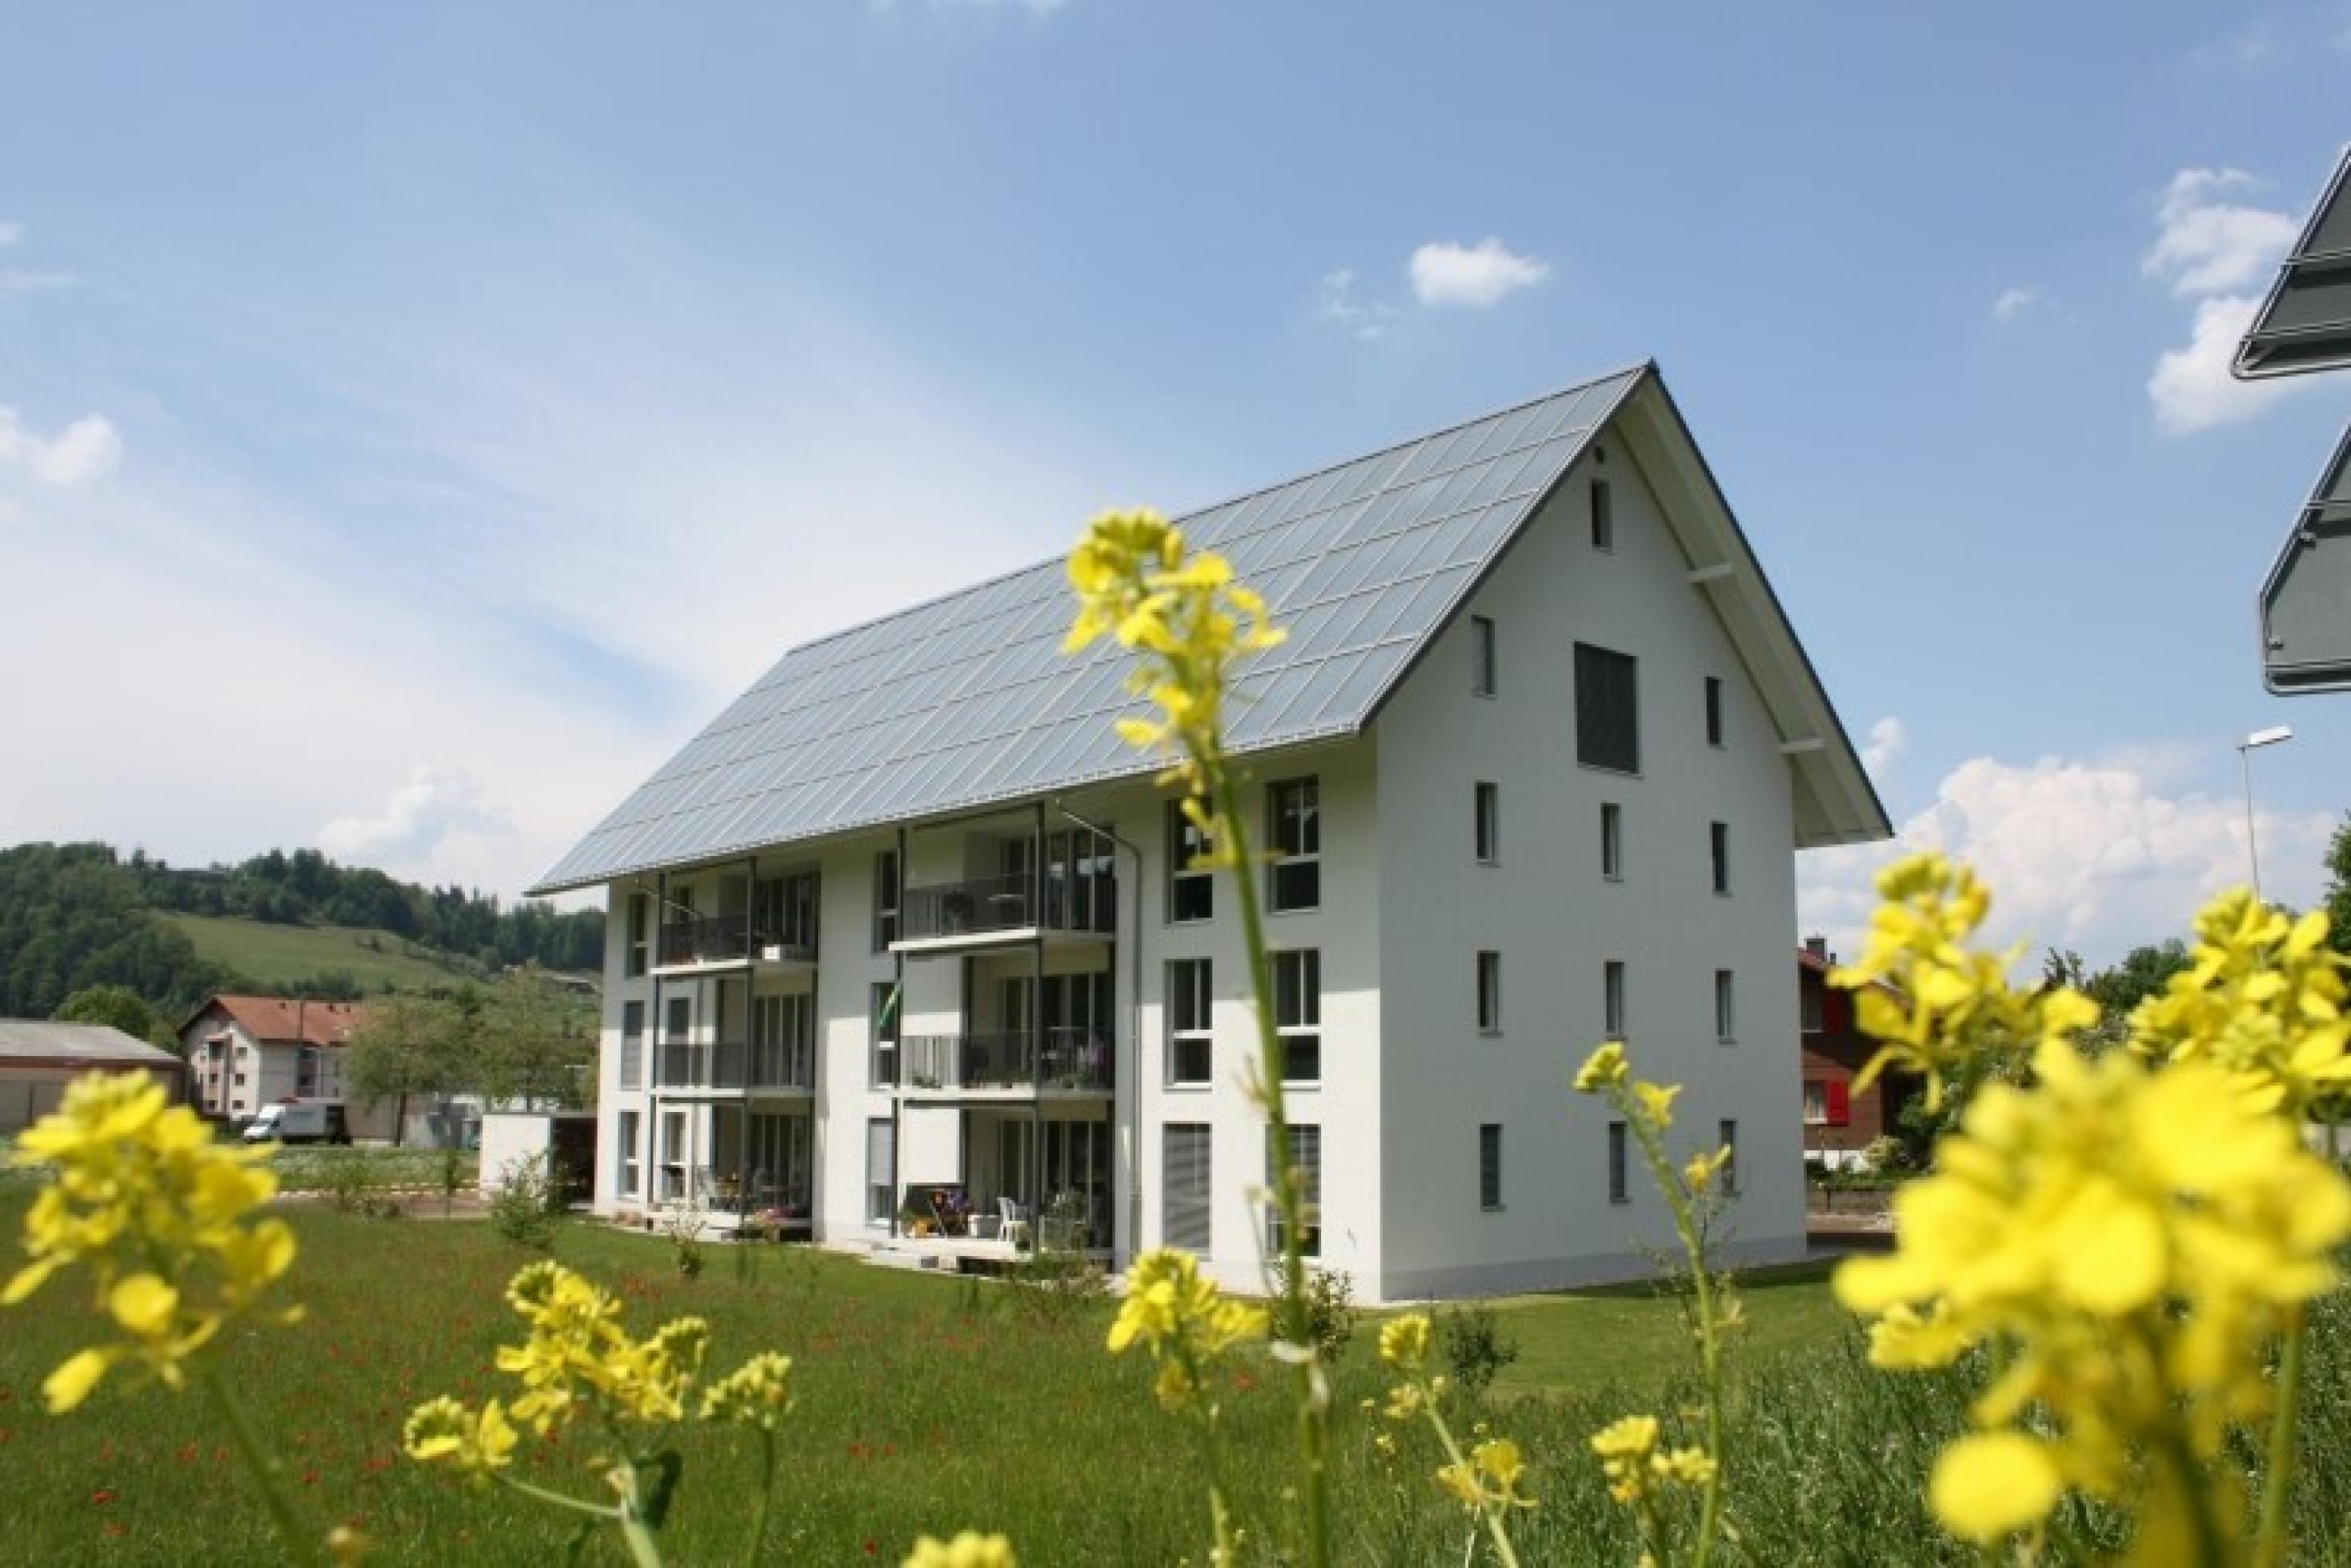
x: 1013, y: 1226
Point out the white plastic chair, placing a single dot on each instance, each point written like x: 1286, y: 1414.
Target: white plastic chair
x: 1014, y: 1226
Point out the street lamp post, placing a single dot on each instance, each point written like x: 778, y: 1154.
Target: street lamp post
x: 2245, y: 748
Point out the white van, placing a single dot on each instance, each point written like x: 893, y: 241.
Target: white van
x: 299, y: 1121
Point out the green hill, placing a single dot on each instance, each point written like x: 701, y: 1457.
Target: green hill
x: 275, y: 956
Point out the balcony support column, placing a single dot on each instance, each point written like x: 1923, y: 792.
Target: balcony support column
x: 898, y: 1057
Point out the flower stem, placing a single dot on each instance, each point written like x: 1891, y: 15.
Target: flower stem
x: 1686, y: 1226
x: 767, y: 1493
x: 2277, y: 1485
x: 1296, y: 1328
x: 301, y: 1541
x: 540, y: 1493
x: 1490, y: 1517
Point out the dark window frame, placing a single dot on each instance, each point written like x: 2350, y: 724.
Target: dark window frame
x: 1191, y: 988
x: 1191, y: 892
x: 1485, y: 657
x: 1294, y: 835
x: 1603, y: 517
x: 1718, y: 852
x: 1714, y: 712
x: 1486, y: 827
x: 1489, y: 1166
x: 1490, y: 991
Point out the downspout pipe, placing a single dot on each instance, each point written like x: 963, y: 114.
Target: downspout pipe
x: 1134, y: 1028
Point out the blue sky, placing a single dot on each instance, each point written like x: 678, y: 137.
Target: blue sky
x: 421, y: 418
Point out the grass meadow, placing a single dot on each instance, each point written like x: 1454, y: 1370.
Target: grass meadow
x: 925, y: 1404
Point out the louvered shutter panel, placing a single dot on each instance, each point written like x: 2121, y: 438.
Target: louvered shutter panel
x: 881, y: 1153
x: 1187, y: 1187
x: 1840, y: 1106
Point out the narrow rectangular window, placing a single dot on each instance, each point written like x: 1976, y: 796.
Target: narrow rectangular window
x: 1306, y: 1165
x: 1611, y: 841
x: 632, y: 1174
x: 641, y: 933
x: 1808, y: 1009
x: 1489, y: 993
x: 881, y: 1170
x: 1485, y: 657
x: 1612, y: 988
x: 1489, y: 1166
x: 1489, y: 824
x: 1603, y: 517
x: 672, y: 1157
x: 883, y: 1064
x: 673, y: 1063
x: 1713, y: 710
x: 1191, y: 881
x: 1719, y: 844
x: 885, y: 900
x: 1298, y: 1014
x: 1618, y: 1189
x: 1816, y: 1102
x: 1726, y: 1020
x: 633, y: 1046
x: 1190, y: 1186
x: 1607, y: 712
x: 1191, y: 1040
x: 1296, y: 877
x: 1729, y: 1145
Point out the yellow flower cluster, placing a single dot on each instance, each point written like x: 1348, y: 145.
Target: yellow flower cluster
x: 1637, y: 1467
x: 968, y: 1549
x: 476, y: 1442
x: 757, y: 1392
x: 2132, y: 1239
x: 161, y: 1215
x: 1182, y: 1318
x: 1488, y: 1478
x: 2264, y: 997
x: 577, y: 1351
x: 1948, y: 1002
x: 1185, y: 617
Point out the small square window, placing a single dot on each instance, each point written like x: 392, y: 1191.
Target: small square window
x: 1489, y: 993
x: 1485, y: 657
x: 1611, y: 841
x: 1719, y: 844
x: 1489, y: 1166
x: 1713, y: 710
x: 1488, y: 829
x: 1603, y: 517
x: 1726, y: 1023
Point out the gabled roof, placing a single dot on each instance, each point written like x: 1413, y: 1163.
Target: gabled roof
x: 286, y: 1020
x: 967, y: 702
x: 43, y: 1040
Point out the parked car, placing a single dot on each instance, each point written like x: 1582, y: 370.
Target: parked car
x: 301, y: 1121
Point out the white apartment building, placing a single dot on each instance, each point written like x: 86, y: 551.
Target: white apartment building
x: 906, y: 932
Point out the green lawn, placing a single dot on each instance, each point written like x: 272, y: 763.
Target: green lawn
x: 924, y: 1404
x: 278, y: 955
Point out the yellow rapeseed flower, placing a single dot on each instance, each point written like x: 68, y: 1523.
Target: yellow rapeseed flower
x: 968, y: 1549
x: 1403, y: 1342
x: 756, y: 1393
x: 1988, y: 1487
x: 161, y: 1216
x: 476, y: 1442
x: 1182, y: 1318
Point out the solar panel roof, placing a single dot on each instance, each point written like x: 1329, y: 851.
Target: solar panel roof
x: 967, y: 700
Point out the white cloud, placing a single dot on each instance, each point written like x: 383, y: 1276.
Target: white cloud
x: 11, y: 232
x: 415, y: 821
x: 1444, y: 272
x: 1888, y: 738
x: 2191, y: 386
x: 2014, y: 301
x: 1335, y: 301
x: 2206, y: 244
x: 2097, y: 856
x: 20, y: 282
x: 80, y: 453
x: 2244, y: 51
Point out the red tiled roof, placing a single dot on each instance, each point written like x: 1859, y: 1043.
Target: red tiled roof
x: 286, y: 1020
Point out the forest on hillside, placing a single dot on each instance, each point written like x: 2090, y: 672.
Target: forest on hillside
x: 77, y: 916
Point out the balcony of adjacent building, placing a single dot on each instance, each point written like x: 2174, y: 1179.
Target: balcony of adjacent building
x: 1058, y: 889
x: 1067, y: 1063
x: 769, y: 922
x: 751, y: 1069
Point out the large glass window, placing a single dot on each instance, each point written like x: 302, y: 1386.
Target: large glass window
x: 1297, y: 838
x: 1298, y: 1014
x: 1607, y: 710
x: 1191, y: 881
x: 1191, y: 1040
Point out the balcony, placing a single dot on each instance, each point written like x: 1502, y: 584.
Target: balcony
x: 728, y: 941
x: 993, y: 911
x: 736, y: 1066
x: 1006, y: 1065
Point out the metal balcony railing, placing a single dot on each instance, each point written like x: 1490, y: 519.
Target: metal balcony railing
x: 729, y: 939
x: 1059, y: 901
x: 774, y: 1066
x: 1072, y: 1061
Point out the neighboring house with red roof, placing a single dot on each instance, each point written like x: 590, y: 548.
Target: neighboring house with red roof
x: 1839, y: 1122
x: 245, y: 1052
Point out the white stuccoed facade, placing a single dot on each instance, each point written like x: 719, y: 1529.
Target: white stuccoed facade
x: 1409, y: 1078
